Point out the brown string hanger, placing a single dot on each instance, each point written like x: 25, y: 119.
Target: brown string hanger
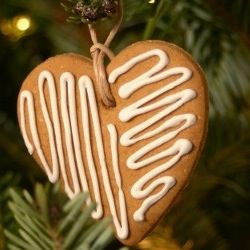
x: 98, y: 52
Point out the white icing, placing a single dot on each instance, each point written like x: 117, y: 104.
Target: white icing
x: 86, y: 92
x: 27, y: 96
x: 167, y: 181
x: 180, y: 148
x: 122, y: 229
x: 166, y: 131
x: 71, y: 131
x: 68, y: 112
x: 177, y: 123
x: 127, y: 89
x: 53, y: 127
x: 73, y: 152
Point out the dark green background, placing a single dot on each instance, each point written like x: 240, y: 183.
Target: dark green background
x: 214, y: 212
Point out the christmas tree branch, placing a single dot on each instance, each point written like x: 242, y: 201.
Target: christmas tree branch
x: 43, y: 225
x: 152, y: 22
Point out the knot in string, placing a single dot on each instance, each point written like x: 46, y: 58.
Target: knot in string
x: 99, y: 46
x: 98, y: 52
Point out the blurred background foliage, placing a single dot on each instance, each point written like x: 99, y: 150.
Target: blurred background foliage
x: 214, y: 212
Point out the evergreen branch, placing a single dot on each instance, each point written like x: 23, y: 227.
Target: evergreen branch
x: 38, y: 230
x: 12, y: 247
x: 22, y: 206
x: 42, y: 202
x: 6, y: 220
x: 80, y: 199
x: 17, y: 241
x: 95, y: 230
x: 77, y: 227
x: 104, y: 239
x: 153, y: 21
x: 32, y: 242
x: 214, y: 209
x: 195, y: 25
x: 28, y: 197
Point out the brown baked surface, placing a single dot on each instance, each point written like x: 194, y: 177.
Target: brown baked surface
x: 79, y: 66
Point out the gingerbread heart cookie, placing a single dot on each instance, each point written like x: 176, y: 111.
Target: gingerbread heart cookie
x: 133, y: 159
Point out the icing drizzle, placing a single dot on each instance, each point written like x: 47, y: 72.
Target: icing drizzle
x: 177, y: 124
x: 71, y: 133
x: 61, y: 121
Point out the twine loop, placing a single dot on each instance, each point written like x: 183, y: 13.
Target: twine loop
x: 98, y: 52
x: 99, y: 46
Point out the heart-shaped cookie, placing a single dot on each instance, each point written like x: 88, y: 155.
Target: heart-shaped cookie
x: 133, y: 159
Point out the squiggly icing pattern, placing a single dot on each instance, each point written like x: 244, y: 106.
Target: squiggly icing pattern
x: 171, y: 103
x: 89, y: 110
x: 71, y: 133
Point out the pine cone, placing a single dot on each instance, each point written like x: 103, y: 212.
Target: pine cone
x: 86, y: 11
x: 108, y: 8
x: 90, y: 13
x: 79, y: 8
